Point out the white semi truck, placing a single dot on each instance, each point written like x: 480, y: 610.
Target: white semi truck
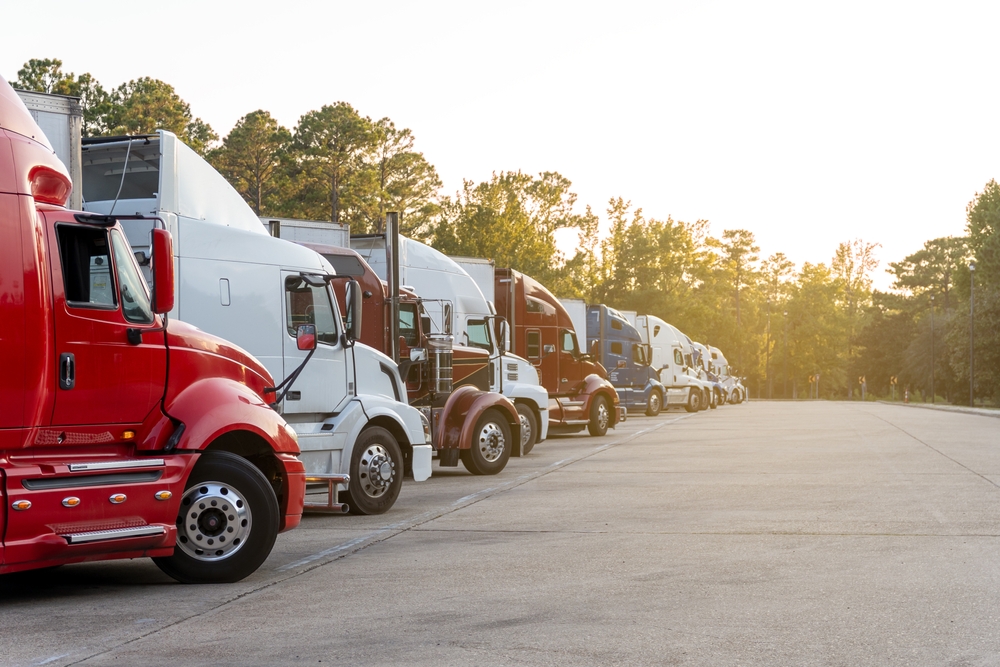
x: 347, y: 405
x: 672, y: 359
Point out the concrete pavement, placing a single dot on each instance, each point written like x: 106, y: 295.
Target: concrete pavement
x: 808, y: 533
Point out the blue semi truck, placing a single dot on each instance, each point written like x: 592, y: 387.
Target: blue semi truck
x: 617, y: 345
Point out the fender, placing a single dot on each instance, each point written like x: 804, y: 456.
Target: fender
x: 594, y: 385
x: 464, y: 408
x: 215, y: 406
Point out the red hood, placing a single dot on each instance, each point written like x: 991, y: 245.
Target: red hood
x: 216, y: 355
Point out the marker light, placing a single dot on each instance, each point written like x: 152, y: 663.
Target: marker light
x: 72, y: 501
x: 128, y: 435
x: 117, y: 499
x: 49, y: 186
x: 163, y: 495
x: 21, y: 505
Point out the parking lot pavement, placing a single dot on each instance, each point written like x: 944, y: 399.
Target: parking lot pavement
x: 761, y: 534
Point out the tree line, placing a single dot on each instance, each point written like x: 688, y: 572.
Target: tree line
x: 791, y: 331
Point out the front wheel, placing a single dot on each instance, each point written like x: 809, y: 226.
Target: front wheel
x: 227, y: 522
x: 654, y: 404
x: 376, y: 472
x: 600, y: 417
x: 694, y: 401
x: 529, y: 427
x: 490, y: 448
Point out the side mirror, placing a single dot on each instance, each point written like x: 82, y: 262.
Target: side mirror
x: 504, y: 333
x: 595, y: 347
x: 163, y: 271
x: 621, y: 363
x: 418, y: 354
x: 548, y: 349
x: 305, y: 337
x: 447, y: 318
x: 352, y: 298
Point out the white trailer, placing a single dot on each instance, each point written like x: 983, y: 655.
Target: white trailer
x: 348, y: 405
x: 577, y: 309
x: 482, y: 271
x: 309, y: 231
x: 61, y: 119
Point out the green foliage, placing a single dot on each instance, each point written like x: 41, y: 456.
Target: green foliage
x: 253, y: 158
x: 46, y: 76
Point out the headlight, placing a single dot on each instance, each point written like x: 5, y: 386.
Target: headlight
x: 428, y: 439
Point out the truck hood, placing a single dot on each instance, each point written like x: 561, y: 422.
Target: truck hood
x: 215, y: 355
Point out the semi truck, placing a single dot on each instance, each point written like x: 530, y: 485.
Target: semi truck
x: 667, y: 359
x: 448, y: 383
x: 618, y: 347
x: 124, y: 433
x: 439, y: 279
x: 541, y: 331
x: 703, y: 362
x: 732, y: 386
x: 348, y: 404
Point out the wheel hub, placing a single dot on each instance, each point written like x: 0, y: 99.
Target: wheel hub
x: 525, y: 431
x: 214, y: 521
x: 491, y: 442
x: 602, y: 416
x: 377, y: 471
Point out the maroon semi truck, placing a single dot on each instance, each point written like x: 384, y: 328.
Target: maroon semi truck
x: 449, y: 383
x: 122, y: 435
x: 580, y: 394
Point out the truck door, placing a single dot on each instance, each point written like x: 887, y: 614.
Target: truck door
x: 110, y: 364
x: 322, y: 386
x: 570, y: 368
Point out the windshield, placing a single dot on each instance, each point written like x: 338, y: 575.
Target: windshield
x: 478, y: 333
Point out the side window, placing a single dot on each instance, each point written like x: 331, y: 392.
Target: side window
x: 306, y: 304
x: 616, y: 324
x: 86, y: 264
x: 534, y: 341
x: 135, y: 298
x: 616, y: 347
x: 569, y: 342
x: 678, y: 358
x: 638, y: 354
x: 408, y: 324
x: 479, y: 335
x: 534, y: 305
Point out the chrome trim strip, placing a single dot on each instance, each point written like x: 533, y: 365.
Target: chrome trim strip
x: 115, y: 465
x: 114, y: 534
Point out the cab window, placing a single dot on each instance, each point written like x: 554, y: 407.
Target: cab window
x: 86, y: 264
x: 479, y: 335
x: 135, y: 299
x: 307, y: 304
x: 616, y: 348
x: 408, y: 324
x: 534, y: 346
x: 569, y: 342
x: 638, y: 354
x: 678, y: 358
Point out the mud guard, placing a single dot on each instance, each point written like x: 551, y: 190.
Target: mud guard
x: 464, y: 408
x: 594, y: 385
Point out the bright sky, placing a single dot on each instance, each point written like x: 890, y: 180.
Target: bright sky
x: 806, y: 123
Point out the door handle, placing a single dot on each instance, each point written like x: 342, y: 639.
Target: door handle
x: 565, y: 380
x: 67, y: 370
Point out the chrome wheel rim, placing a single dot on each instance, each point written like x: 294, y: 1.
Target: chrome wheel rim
x: 525, y: 431
x: 376, y: 471
x: 490, y: 442
x: 603, y: 416
x: 654, y: 403
x: 214, y: 521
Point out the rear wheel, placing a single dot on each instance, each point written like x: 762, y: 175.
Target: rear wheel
x: 376, y: 472
x: 694, y: 401
x: 490, y: 448
x: 529, y: 427
x: 600, y: 417
x: 654, y: 403
x: 227, y: 523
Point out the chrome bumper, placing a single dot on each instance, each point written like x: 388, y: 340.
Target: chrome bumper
x: 622, y: 413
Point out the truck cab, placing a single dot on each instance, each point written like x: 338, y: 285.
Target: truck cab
x: 543, y: 332
x: 706, y: 371
x: 667, y: 359
x: 124, y: 433
x: 347, y: 404
x: 618, y: 346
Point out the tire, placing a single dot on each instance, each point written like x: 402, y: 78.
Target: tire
x: 491, y: 444
x: 376, y: 472
x: 600, y: 417
x: 654, y: 403
x: 230, y: 505
x: 694, y: 401
x: 706, y: 400
x: 529, y: 427
x: 713, y: 401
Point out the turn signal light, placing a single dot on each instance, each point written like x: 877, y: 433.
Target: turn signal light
x: 163, y: 495
x: 72, y: 501
x: 128, y: 435
x: 117, y: 499
x: 21, y: 505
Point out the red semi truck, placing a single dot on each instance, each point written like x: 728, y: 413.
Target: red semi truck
x: 122, y: 435
x: 449, y: 383
x: 542, y: 332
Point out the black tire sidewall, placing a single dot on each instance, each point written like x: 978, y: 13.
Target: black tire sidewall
x: 235, y: 471
x: 360, y: 502
x: 528, y: 413
x: 473, y: 458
